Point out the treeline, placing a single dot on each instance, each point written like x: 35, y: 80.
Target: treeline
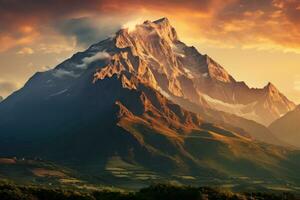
x: 155, y: 192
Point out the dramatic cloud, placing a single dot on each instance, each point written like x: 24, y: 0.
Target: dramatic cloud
x: 58, y: 28
x: 23, y: 22
x: 25, y: 51
x: 259, y: 24
x: 252, y: 23
x: 88, y: 30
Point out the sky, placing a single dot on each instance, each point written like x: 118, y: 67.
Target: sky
x: 256, y: 41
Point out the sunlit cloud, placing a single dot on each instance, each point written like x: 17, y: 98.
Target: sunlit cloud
x: 8, y: 42
x: 233, y: 21
x: 25, y: 51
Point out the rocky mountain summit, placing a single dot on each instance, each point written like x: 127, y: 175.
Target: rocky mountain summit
x: 154, y: 53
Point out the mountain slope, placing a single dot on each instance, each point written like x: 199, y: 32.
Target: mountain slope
x: 232, y: 122
x: 142, y: 128
x: 287, y: 127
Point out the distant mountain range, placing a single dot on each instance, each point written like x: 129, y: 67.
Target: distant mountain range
x: 288, y: 127
x: 145, y: 99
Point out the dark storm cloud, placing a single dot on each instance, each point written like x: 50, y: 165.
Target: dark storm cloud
x: 238, y: 19
x: 86, y: 30
x: 36, y: 11
x: 19, y: 16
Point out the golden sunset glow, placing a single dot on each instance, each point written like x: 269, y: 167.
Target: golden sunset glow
x: 140, y: 99
x: 256, y: 41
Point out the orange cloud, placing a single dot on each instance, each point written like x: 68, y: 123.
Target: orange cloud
x: 257, y: 24
x: 10, y: 41
x: 26, y: 51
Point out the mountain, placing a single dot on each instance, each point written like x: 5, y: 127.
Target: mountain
x: 1, y: 98
x: 287, y: 127
x: 131, y: 106
x: 188, y: 74
x: 153, y: 53
x: 181, y: 71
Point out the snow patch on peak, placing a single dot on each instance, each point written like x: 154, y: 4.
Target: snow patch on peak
x: 242, y: 110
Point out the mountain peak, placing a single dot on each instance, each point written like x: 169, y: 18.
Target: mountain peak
x: 271, y: 88
x: 166, y: 29
x: 163, y: 20
x: 160, y: 27
x: 270, y: 85
x: 151, y: 52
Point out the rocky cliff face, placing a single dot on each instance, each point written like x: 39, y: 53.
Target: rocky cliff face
x: 154, y: 53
